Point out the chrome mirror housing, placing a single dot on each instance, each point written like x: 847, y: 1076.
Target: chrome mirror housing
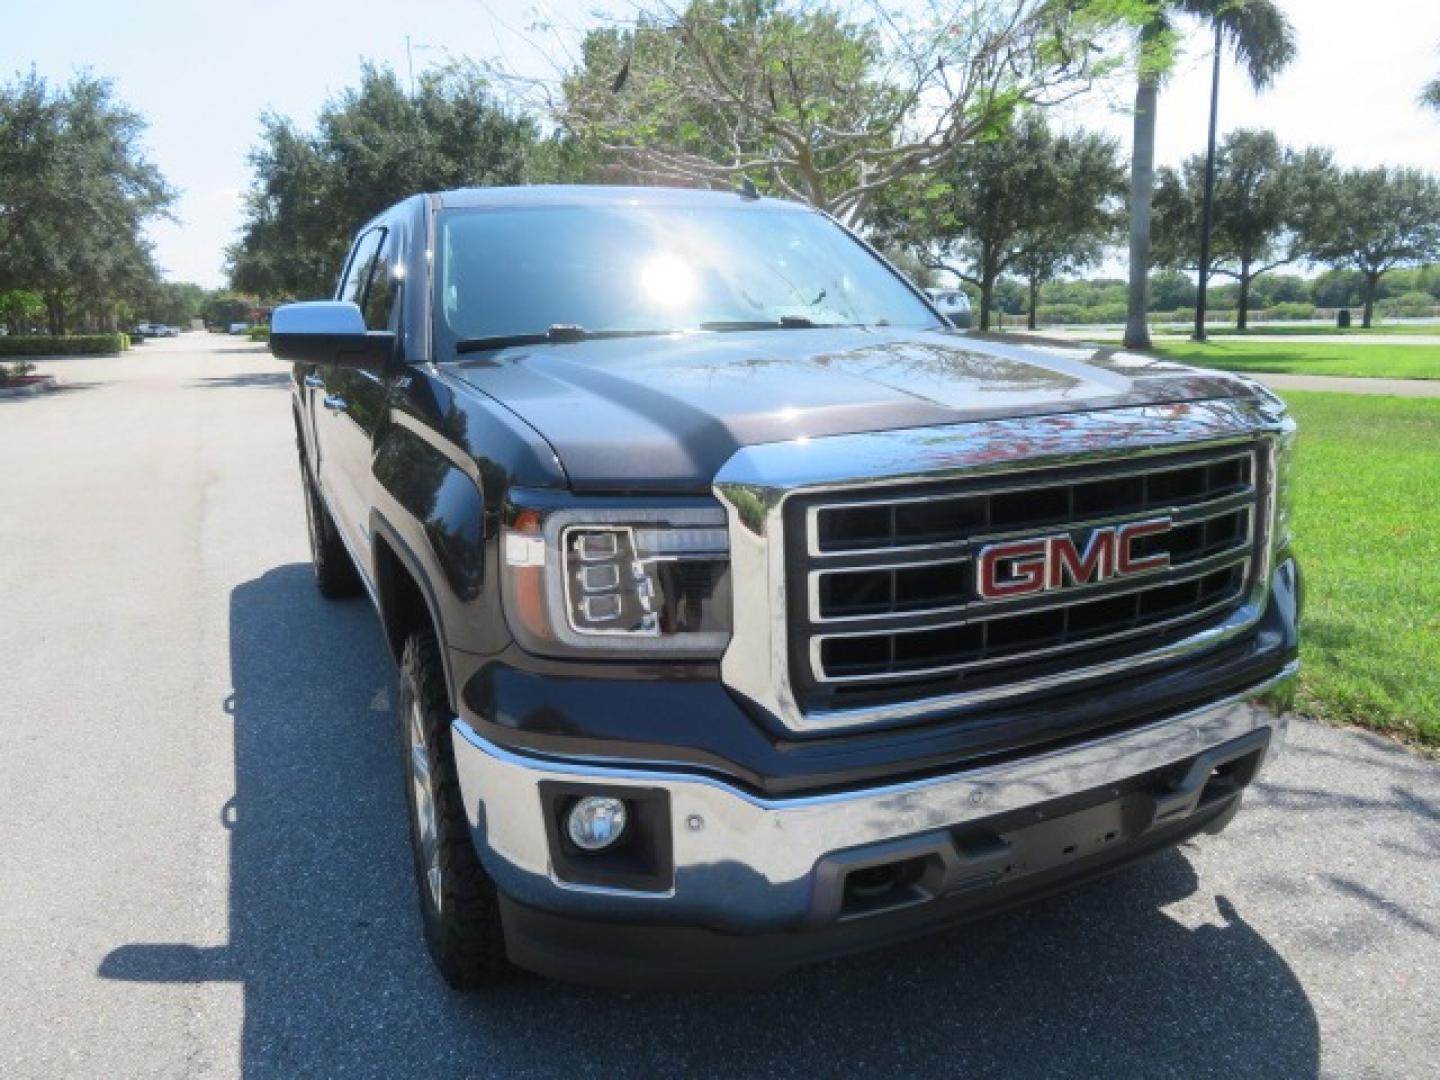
x: 328, y: 332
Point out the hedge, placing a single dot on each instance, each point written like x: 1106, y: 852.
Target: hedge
x: 70, y: 345
x: 259, y: 333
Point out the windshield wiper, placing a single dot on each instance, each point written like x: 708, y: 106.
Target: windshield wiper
x: 558, y: 333
x: 785, y: 322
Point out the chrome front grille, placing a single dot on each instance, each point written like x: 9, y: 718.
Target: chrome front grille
x: 867, y: 542
x: 883, y: 590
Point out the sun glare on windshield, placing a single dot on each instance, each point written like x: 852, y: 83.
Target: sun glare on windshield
x: 667, y: 281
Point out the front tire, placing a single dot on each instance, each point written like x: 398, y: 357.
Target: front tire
x: 459, y: 908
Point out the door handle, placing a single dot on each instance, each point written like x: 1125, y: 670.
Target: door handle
x: 336, y: 403
x: 315, y: 382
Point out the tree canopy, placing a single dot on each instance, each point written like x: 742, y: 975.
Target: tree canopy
x: 372, y: 146
x: 1374, y: 220
x: 1030, y: 200
x: 1263, y: 195
x: 820, y: 103
x: 76, y: 190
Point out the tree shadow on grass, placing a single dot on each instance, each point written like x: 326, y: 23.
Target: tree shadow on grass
x: 324, y: 938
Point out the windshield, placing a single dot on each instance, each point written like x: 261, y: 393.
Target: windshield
x: 524, y: 270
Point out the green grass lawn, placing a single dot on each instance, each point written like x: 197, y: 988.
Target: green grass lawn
x: 1367, y: 525
x: 1387, y: 361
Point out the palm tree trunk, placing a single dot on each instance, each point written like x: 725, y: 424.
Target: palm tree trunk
x: 1142, y: 187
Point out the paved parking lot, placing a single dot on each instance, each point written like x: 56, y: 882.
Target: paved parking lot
x: 203, y: 865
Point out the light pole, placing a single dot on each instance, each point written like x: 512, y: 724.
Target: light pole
x: 1208, y: 207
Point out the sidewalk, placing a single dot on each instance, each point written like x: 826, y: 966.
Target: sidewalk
x: 1412, y: 388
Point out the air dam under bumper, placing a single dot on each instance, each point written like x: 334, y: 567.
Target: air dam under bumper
x: 741, y: 866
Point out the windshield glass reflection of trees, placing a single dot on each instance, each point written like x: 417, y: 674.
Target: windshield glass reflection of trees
x: 609, y: 268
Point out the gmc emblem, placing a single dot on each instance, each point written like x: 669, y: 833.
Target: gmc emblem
x: 1024, y: 567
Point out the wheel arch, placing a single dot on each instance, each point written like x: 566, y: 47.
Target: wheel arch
x: 404, y: 597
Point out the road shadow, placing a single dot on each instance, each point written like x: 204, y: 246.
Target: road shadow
x: 60, y: 388
x: 273, y: 379
x: 325, y: 939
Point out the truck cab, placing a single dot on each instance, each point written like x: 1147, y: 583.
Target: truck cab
x: 746, y: 612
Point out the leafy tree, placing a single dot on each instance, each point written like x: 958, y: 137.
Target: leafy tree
x: 176, y: 302
x: 1262, y: 193
x: 909, y: 264
x: 373, y: 145
x: 19, y: 308
x: 1028, y: 202
x: 1374, y: 220
x: 818, y: 104
x: 76, y: 191
x: 1260, y: 35
x: 222, y: 308
x: 1170, y: 290
x: 1080, y: 214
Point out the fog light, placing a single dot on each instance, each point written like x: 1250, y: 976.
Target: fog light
x: 596, y: 822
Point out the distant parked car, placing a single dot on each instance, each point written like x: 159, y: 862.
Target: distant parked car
x: 954, y: 304
x: 239, y: 327
x: 144, y: 330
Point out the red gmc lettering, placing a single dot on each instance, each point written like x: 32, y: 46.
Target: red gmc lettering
x: 1097, y: 562
x: 1053, y: 562
x: 1026, y: 559
x: 1125, y: 562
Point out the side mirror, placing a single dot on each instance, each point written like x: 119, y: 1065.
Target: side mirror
x: 328, y: 332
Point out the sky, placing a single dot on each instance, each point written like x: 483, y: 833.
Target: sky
x: 203, y: 72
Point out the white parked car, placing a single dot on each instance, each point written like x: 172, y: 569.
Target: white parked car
x: 239, y: 327
x: 954, y: 304
x: 146, y: 329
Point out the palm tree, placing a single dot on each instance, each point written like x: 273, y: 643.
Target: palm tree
x: 1263, y: 40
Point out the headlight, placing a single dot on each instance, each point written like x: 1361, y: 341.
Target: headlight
x: 631, y: 580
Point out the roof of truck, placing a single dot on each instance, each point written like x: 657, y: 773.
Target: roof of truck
x: 600, y: 195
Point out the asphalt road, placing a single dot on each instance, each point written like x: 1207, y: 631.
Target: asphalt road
x: 203, y: 865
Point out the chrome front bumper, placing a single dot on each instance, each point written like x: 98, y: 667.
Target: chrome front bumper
x: 748, y: 864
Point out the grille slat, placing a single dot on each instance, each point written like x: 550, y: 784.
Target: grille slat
x: 888, y: 593
x: 949, y: 518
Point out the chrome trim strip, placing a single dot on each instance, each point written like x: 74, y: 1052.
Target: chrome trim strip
x: 1214, y: 561
x: 1179, y: 515
x: 812, y: 513
x: 756, y: 482
x: 817, y: 666
x: 749, y: 865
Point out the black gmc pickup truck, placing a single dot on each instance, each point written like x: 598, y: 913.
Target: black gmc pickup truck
x: 746, y: 613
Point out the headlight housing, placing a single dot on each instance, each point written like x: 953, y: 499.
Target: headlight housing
x: 617, y: 578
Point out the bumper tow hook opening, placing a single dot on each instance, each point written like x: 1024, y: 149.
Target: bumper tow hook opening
x: 871, y: 889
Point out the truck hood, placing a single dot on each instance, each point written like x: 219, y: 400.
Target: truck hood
x: 664, y: 413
